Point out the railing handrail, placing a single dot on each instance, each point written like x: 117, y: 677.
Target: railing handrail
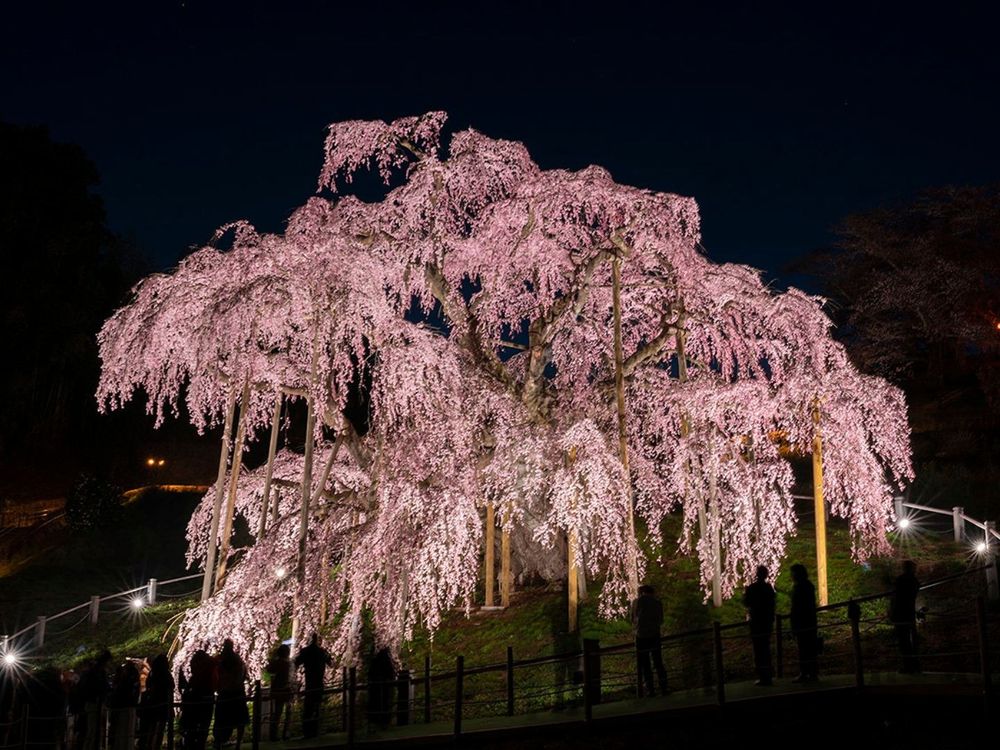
x: 105, y: 598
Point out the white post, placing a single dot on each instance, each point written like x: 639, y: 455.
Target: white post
x: 151, y: 591
x: 95, y: 609
x: 898, y: 506
x: 40, y: 632
x: 992, y: 582
x: 958, y: 522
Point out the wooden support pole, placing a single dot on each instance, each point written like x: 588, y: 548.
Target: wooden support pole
x: 633, y: 563
x: 720, y: 668
x: 715, y: 531
x: 213, y: 532
x: 820, y: 508
x: 235, y: 466
x: 490, y: 572
x: 506, y: 575
x: 95, y: 609
x: 272, y: 448
x: 306, y: 487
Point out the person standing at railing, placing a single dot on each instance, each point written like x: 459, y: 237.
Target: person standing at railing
x: 231, y: 704
x: 280, y: 669
x: 803, y: 621
x: 903, y: 613
x: 93, y: 693
x: 759, y: 601
x: 314, y: 660
x: 122, y: 704
x: 198, y: 699
x: 647, y: 618
x: 156, y: 706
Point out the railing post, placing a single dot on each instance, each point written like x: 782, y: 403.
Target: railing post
x: 352, y: 697
x: 95, y: 609
x: 984, y: 652
x: 992, y: 581
x: 897, y: 503
x: 854, y: 615
x: 779, y: 647
x: 720, y: 671
x: 958, y: 523
x: 403, y: 698
x: 151, y: 591
x: 510, y: 680
x: 427, y: 690
x: 40, y: 632
x: 591, y: 676
x: 459, y: 688
x: 255, y: 730
x: 343, y: 697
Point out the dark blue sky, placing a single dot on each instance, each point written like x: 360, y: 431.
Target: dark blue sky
x: 779, y: 122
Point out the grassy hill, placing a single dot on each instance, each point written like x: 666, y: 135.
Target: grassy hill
x: 149, y: 542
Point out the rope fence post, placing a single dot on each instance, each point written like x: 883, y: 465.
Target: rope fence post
x: 151, y: 591
x: 95, y: 609
x: 958, y: 524
x: 720, y: 670
x: 40, y: 632
x: 992, y: 580
x: 459, y: 688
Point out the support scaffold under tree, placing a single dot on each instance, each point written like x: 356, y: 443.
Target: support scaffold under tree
x: 474, y: 305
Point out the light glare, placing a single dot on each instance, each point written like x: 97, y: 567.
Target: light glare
x: 904, y: 523
x: 10, y: 658
x: 280, y: 573
x: 138, y: 603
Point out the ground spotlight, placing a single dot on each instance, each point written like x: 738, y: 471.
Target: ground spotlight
x: 982, y: 548
x: 138, y: 603
x: 904, y: 524
x: 280, y: 573
x: 9, y: 659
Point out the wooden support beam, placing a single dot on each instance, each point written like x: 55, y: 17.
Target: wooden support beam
x: 820, y: 508
x: 506, y: 576
x: 272, y: 448
x: 490, y: 572
x: 234, y: 477
x: 213, y: 533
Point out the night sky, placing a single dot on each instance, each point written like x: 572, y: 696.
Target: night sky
x: 779, y: 122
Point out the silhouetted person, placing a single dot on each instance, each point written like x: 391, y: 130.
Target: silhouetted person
x: 314, y: 660
x: 198, y: 700
x: 156, y: 706
x: 280, y: 669
x: 231, y: 703
x: 93, y: 694
x: 803, y: 621
x: 47, y: 705
x: 759, y: 601
x: 647, y: 617
x: 381, y: 679
x: 903, y: 613
x: 122, y: 704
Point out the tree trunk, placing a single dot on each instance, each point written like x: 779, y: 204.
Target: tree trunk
x: 633, y: 569
x: 490, y: 573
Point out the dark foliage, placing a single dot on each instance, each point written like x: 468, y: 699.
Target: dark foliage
x: 93, y: 503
